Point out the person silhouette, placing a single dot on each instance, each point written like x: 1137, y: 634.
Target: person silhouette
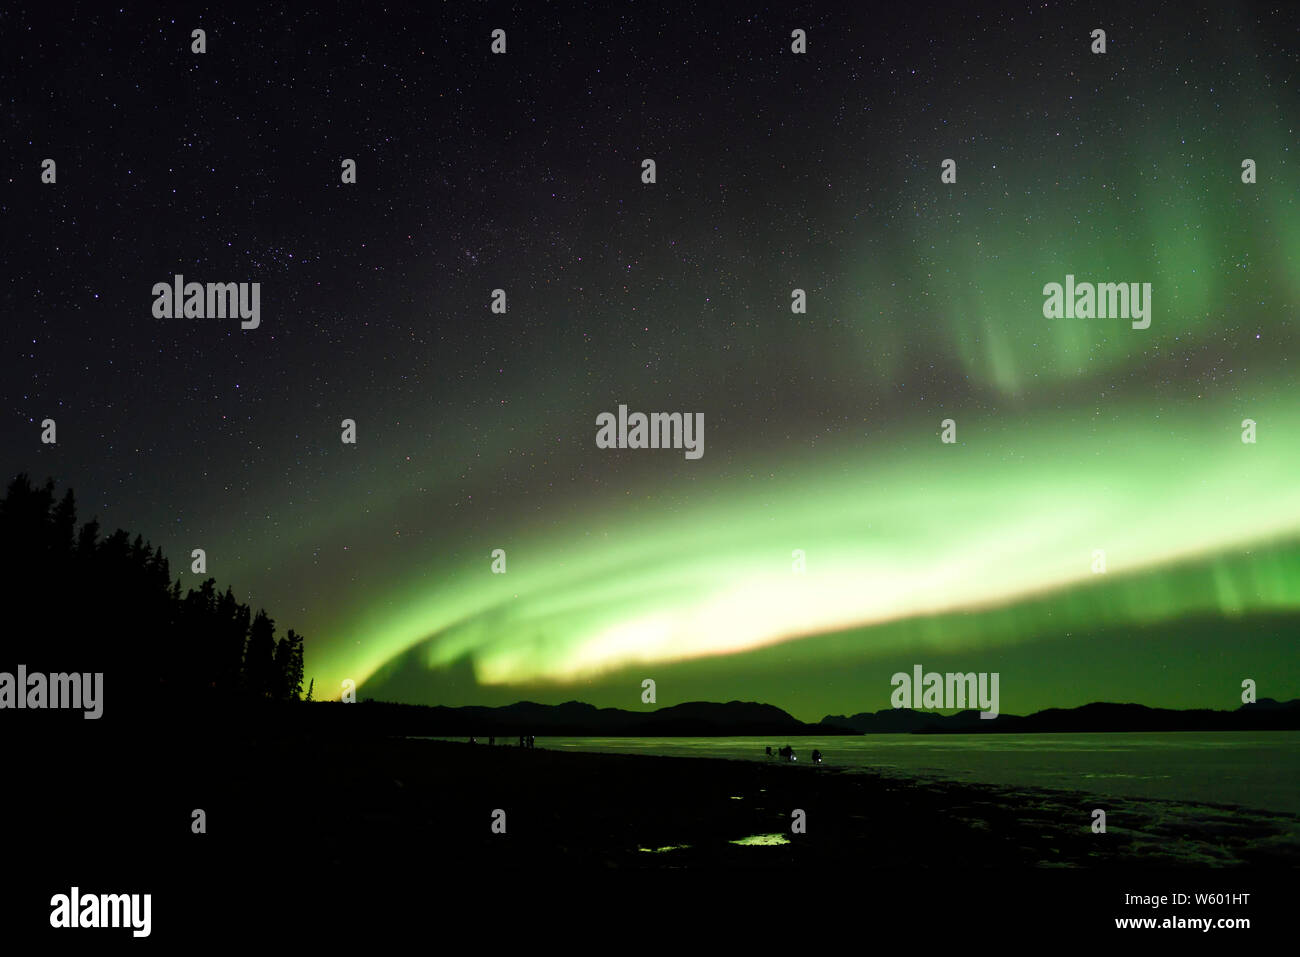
x: 816, y: 756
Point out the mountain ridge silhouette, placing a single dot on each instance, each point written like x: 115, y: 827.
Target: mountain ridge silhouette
x: 750, y: 718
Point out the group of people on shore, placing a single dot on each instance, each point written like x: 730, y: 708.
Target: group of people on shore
x: 788, y: 754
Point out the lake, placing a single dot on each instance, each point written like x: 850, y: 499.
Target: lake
x: 1259, y: 769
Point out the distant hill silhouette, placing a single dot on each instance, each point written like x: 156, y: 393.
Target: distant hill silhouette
x: 573, y: 719
x: 736, y: 718
x: 1264, y: 715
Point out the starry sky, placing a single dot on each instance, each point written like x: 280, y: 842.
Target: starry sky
x: 775, y: 171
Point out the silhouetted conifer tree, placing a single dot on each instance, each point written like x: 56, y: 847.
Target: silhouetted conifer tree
x: 259, y: 657
x: 109, y: 604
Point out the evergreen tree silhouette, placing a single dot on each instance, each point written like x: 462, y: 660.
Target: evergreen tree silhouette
x: 259, y: 658
x: 109, y: 604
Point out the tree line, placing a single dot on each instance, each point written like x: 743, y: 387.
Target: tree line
x: 77, y: 601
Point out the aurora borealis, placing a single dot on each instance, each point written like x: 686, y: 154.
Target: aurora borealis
x: 776, y: 171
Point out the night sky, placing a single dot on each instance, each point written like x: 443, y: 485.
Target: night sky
x: 775, y: 171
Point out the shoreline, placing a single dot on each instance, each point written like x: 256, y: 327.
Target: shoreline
x: 1265, y: 793
x: 360, y: 799
x: 672, y: 811
x: 304, y: 825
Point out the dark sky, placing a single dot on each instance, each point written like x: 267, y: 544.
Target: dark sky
x: 775, y: 171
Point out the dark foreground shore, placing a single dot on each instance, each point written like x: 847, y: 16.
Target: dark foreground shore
x: 304, y: 824
x: 635, y: 811
x: 344, y: 800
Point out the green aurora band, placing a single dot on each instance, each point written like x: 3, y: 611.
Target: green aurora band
x: 1002, y: 517
x: 1073, y: 435
x: 894, y: 524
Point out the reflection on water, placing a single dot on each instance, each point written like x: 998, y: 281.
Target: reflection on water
x: 763, y: 840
